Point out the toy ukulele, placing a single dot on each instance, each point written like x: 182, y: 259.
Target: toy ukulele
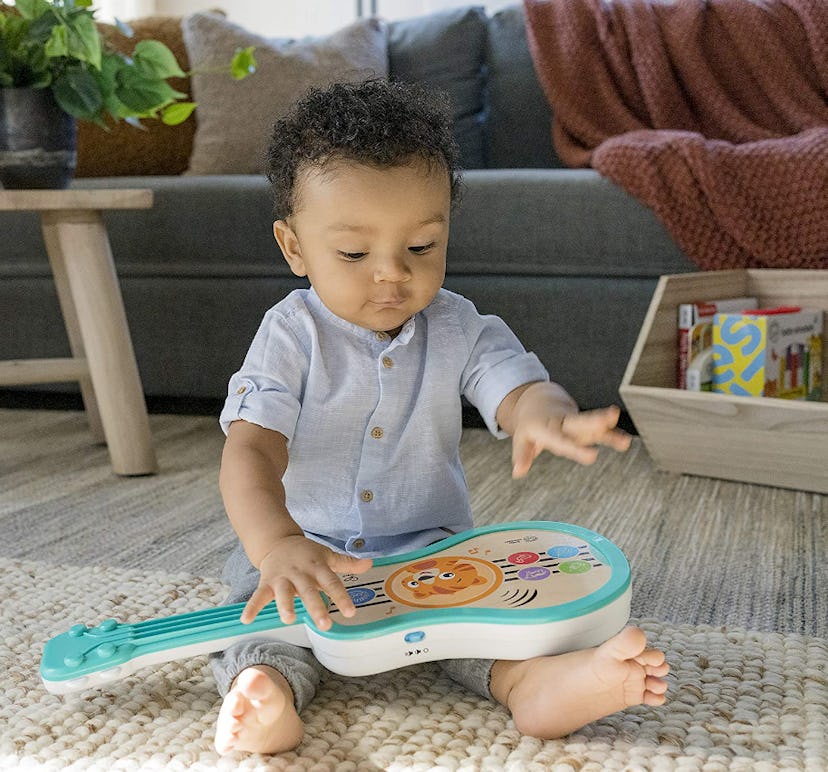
x: 510, y: 591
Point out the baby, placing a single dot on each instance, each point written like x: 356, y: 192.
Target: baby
x: 344, y: 423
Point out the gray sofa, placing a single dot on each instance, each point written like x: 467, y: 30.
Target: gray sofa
x: 564, y: 256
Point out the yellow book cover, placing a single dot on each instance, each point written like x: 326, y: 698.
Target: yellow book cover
x: 770, y: 353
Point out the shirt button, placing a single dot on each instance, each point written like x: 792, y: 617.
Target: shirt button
x: 377, y: 432
x: 383, y: 336
x: 358, y: 544
x: 366, y: 496
x: 387, y: 362
x: 241, y: 390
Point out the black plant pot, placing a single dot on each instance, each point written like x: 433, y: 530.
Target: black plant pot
x: 37, y: 140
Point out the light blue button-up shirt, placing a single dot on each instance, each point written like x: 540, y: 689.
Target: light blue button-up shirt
x: 373, y: 424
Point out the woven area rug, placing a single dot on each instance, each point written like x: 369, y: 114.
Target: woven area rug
x: 729, y: 579
x: 739, y: 700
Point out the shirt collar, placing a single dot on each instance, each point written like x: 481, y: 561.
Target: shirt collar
x: 404, y: 336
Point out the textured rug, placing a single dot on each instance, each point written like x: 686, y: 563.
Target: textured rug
x: 739, y: 700
x: 729, y: 579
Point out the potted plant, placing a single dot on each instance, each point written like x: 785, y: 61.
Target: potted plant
x: 56, y: 68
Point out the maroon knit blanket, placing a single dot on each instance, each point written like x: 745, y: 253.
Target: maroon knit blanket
x: 714, y: 113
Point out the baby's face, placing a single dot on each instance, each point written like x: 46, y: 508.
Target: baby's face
x: 371, y: 241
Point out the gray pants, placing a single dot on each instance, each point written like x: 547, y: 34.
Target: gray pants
x: 297, y: 664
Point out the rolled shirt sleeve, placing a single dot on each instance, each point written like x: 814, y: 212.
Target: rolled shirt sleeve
x: 268, y: 388
x: 497, y: 364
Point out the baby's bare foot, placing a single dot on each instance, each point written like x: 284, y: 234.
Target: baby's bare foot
x: 550, y: 697
x: 258, y: 714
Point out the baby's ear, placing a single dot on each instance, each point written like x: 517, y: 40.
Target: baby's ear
x: 289, y: 245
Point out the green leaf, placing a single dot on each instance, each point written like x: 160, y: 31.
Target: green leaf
x: 141, y: 94
x: 177, y: 112
x: 58, y: 42
x: 84, y: 40
x: 78, y: 93
x: 155, y: 60
x: 32, y: 9
x: 107, y: 82
x: 243, y: 63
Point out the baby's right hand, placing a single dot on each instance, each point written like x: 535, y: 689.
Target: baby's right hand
x: 300, y: 566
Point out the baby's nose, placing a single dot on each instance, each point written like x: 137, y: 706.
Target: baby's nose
x: 392, y: 268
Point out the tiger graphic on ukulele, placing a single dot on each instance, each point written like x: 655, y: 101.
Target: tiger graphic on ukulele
x: 443, y: 581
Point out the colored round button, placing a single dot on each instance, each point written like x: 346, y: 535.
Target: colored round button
x: 575, y: 567
x: 534, y: 573
x: 76, y: 631
x: 361, y: 595
x: 523, y: 558
x: 107, y: 625
x: 562, y: 551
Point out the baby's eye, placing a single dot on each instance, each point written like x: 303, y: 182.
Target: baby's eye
x: 352, y: 255
x: 421, y: 249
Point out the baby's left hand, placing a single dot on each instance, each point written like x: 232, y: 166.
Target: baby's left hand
x: 571, y: 435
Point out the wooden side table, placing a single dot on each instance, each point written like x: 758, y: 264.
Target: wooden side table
x: 103, y: 360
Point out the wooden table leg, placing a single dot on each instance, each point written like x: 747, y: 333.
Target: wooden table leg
x: 78, y: 243
x: 73, y: 332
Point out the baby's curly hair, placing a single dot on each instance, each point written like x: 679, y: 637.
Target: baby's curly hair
x: 378, y: 123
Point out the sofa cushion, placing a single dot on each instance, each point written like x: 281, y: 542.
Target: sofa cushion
x: 123, y: 150
x: 235, y: 117
x: 445, y: 50
x: 519, y: 124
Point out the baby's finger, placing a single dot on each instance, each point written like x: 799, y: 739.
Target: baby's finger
x: 523, y: 454
x: 314, y: 605
x: 333, y: 587
x: 285, y: 595
x: 564, y: 446
x: 258, y: 600
x: 617, y: 440
x: 592, y: 427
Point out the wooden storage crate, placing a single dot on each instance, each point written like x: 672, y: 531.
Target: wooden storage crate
x: 753, y: 439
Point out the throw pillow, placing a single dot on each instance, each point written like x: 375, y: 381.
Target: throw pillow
x: 446, y: 50
x: 235, y: 117
x: 123, y: 150
x: 517, y: 105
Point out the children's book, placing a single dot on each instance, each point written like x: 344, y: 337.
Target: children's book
x: 695, y: 337
x: 770, y: 352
